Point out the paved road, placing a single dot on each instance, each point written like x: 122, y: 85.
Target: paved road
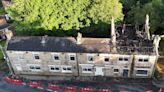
x: 114, y: 86
x: 4, y: 87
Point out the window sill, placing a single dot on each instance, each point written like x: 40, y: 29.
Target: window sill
x: 37, y: 60
x: 56, y: 60
x: 90, y: 61
x: 35, y: 70
x: 142, y: 75
x: 115, y: 72
x: 54, y: 71
x: 72, y: 61
x: 66, y: 71
x: 87, y: 72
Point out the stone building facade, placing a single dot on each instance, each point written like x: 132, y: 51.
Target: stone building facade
x: 118, y: 56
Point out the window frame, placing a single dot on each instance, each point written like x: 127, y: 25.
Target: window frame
x: 142, y: 74
x: 87, y: 68
x: 16, y: 65
x: 54, y: 66
x: 143, y: 60
x: 36, y: 57
x: 92, y: 56
x: 66, y: 71
x: 115, y: 71
x: 106, y: 58
x: 36, y: 54
x: 56, y: 54
x: 34, y: 67
x: 123, y: 58
x: 70, y: 55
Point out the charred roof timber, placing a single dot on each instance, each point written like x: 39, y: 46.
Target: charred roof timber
x: 130, y: 39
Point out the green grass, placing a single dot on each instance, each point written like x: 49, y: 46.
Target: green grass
x: 2, y: 43
x: 3, y: 64
x: 2, y: 11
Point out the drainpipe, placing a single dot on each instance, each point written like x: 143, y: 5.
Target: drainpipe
x: 7, y: 58
x: 77, y: 62
x: 131, y: 72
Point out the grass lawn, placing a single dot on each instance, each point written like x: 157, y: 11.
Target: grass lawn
x: 2, y: 43
x: 3, y: 64
x: 2, y: 11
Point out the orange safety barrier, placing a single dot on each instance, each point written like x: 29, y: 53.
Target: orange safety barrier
x: 86, y: 90
x: 53, y: 87
x: 149, y: 91
x: 13, y: 81
x: 70, y: 89
x: 8, y: 79
x: 16, y: 81
x: 35, y: 84
x: 105, y: 90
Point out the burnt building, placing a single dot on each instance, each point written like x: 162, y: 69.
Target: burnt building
x: 128, y: 53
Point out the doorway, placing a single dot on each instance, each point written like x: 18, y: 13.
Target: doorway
x: 99, y: 71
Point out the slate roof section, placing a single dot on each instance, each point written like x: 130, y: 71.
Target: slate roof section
x: 59, y: 44
x: 4, y: 26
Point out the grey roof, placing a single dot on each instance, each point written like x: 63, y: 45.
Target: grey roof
x: 59, y: 44
x: 4, y: 26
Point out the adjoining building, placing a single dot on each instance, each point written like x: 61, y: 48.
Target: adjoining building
x: 6, y: 30
x: 129, y: 53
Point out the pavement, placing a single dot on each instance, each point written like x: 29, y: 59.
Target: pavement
x: 116, y: 85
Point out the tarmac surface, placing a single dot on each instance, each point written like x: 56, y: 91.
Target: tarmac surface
x: 115, y: 85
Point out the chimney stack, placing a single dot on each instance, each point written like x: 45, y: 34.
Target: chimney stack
x: 147, y: 27
x: 79, y: 38
x: 43, y: 40
x: 8, y: 33
x: 123, y: 28
x: 156, y: 41
x: 113, y: 34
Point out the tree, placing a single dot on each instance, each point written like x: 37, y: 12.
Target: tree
x: 155, y: 10
x: 135, y: 16
x: 103, y: 10
x: 62, y: 14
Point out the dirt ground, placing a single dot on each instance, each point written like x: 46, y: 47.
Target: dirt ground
x: 160, y: 65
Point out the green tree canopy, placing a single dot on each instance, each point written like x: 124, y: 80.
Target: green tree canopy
x: 62, y: 14
x: 102, y: 10
x: 136, y: 14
